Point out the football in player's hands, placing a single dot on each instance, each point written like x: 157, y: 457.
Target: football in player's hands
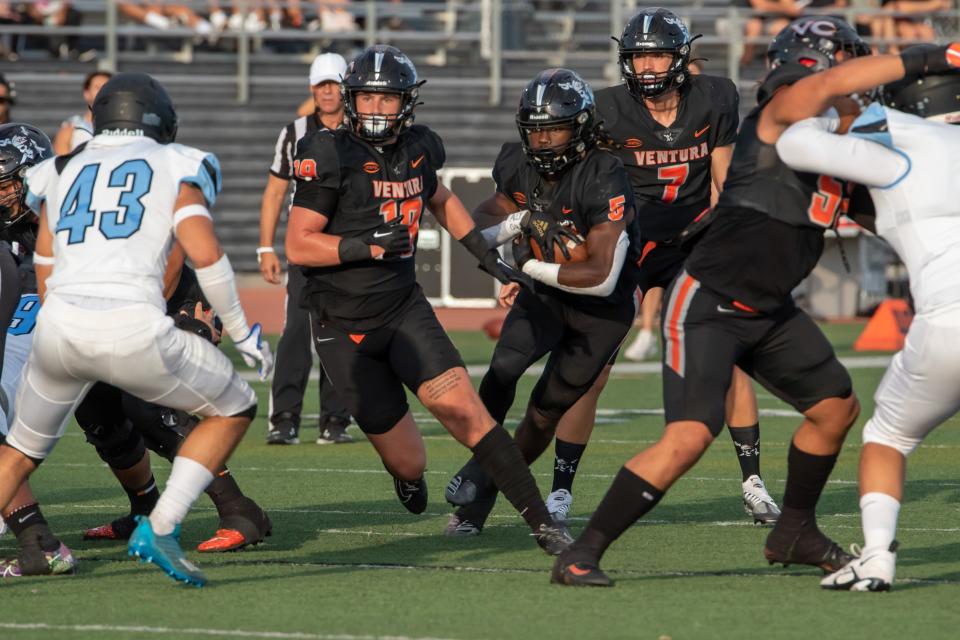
x: 556, y: 242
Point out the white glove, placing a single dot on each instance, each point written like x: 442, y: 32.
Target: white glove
x: 254, y: 349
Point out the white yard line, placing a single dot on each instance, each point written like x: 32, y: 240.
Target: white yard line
x: 197, y: 631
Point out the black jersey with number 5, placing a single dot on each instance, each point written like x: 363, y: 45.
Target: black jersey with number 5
x: 669, y: 167
x: 594, y: 190
x: 767, y: 235
x: 358, y: 187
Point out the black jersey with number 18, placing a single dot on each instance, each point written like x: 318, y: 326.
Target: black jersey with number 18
x: 358, y: 187
x: 669, y: 167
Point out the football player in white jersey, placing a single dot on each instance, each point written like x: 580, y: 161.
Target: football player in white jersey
x: 109, y: 213
x: 39, y: 551
x: 905, y: 153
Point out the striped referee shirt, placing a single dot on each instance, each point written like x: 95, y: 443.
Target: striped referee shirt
x: 286, y: 149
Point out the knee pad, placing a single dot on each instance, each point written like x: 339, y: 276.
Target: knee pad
x: 876, y: 431
x: 118, y: 445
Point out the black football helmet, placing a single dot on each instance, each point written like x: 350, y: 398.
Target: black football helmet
x: 135, y: 104
x: 927, y: 97
x: 557, y: 98
x: 380, y: 69
x: 813, y: 42
x: 655, y: 30
x: 21, y: 147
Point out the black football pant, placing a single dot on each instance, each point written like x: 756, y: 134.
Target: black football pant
x: 294, y: 359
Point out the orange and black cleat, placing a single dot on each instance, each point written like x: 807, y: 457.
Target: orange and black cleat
x: 579, y: 574
x: 119, y: 529
x: 238, y: 530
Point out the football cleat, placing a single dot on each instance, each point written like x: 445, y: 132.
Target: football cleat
x: 559, y: 503
x: 468, y: 484
x: 579, y: 574
x: 757, y: 502
x: 119, y: 529
x: 644, y: 346
x: 284, y: 432
x: 461, y: 527
x: 413, y: 495
x: 872, y: 571
x: 32, y: 561
x: 333, y: 430
x: 165, y: 552
x: 805, y: 544
x: 245, y: 526
x: 553, y: 538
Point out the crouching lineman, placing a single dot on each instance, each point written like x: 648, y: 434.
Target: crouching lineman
x: 731, y: 305
x: 102, y: 317
x: 579, y: 312
x: 39, y: 551
x: 904, y: 152
x: 122, y: 427
x: 353, y: 228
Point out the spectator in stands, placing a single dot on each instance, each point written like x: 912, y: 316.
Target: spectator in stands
x: 165, y: 16
x: 911, y: 22
x: 253, y: 23
x: 333, y: 16
x: 53, y: 14
x: 78, y: 128
x: 771, y: 16
x: 8, y: 98
x: 9, y: 44
x: 294, y: 355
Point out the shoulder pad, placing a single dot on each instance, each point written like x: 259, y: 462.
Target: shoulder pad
x: 198, y: 168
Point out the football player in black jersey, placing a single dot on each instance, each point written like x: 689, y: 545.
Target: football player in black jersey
x: 579, y: 312
x: 674, y: 133
x: 731, y: 305
x: 353, y: 229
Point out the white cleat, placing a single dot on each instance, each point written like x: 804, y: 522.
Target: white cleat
x: 643, y: 347
x: 558, y: 504
x: 757, y: 502
x: 872, y: 571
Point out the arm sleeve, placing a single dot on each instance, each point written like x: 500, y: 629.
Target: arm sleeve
x: 549, y: 273
x: 810, y: 145
x: 317, y: 173
x: 282, y: 166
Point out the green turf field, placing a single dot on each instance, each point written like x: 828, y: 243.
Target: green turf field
x: 347, y: 561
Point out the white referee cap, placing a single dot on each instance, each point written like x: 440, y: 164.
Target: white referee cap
x: 327, y: 66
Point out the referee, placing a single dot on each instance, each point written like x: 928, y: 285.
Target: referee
x: 294, y: 357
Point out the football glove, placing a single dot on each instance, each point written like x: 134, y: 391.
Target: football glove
x: 254, y: 350
x: 493, y: 264
x: 393, y: 237
x: 522, y: 252
x: 557, y: 236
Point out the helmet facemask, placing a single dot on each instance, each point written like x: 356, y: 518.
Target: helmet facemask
x: 13, y: 205
x: 649, y: 84
x: 550, y: 161
x: 379, y: 128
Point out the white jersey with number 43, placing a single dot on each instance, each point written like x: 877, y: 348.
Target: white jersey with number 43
x: 111, y: 212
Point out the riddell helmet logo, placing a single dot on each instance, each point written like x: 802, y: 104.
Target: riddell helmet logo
x: 632, y: 143
x: 519, y: 198
x: 371, y: 167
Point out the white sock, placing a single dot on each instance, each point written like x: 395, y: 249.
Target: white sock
x: 188, y: 479
x: 156, y: 20
x: 879, y: 512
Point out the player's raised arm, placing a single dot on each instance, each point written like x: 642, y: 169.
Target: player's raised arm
x: 812, y: 95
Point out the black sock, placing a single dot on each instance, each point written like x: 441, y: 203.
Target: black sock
x: 628, y: 499
x: 500, y: 457
x: 806, y: 476
x: 30, y: 527
x: 224, y: 489
x: 746, y: 440
x: 565, y: 463
x: 532, y: 440
x: 144, y: 498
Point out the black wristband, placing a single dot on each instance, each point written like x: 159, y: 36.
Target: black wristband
x: 352, y: 250
x: 475, y: 244
x: 192, y: 325
x: 922, y: 60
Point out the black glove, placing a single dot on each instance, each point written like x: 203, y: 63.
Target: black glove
x: 557, y: 235
x: 493, y: 264
x: 522, y: 253
x: 927, y: 59
x: 393, y: 237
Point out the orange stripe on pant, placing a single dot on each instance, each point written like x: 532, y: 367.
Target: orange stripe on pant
x: 675, y: 318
